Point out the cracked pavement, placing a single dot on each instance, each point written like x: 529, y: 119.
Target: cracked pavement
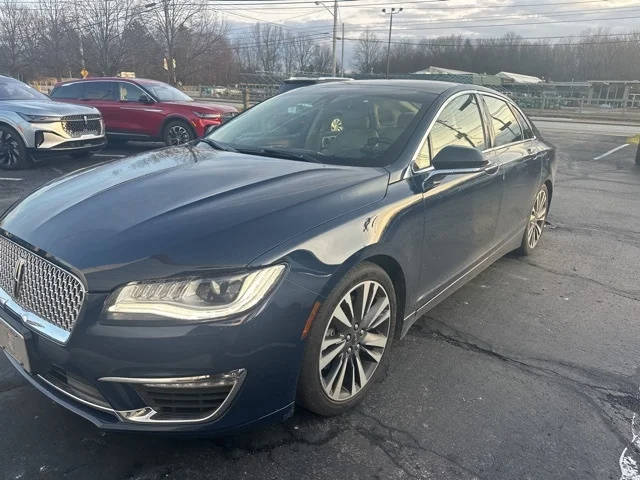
x: 528, y: 372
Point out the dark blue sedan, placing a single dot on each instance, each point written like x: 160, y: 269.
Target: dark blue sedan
x: 215, y: 285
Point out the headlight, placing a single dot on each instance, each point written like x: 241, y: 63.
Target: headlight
x: 193, y: 299
x: 208, y: 115
x: 39, y: 118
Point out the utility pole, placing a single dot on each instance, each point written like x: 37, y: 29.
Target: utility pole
x: 342, y: 53
x: 391, y: 12
x: 335, y: 31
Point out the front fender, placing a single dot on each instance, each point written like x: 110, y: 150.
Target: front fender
x: 392, y: 227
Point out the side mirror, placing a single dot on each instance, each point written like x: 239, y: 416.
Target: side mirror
x: 454, y: 157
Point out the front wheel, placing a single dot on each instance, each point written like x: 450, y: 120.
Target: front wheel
x: 349, y: 341
x: 13, y: 153
x: 535, y: 225
x: 177, y: 132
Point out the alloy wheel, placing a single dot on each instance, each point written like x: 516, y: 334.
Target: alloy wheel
x: 9, y: 149
x: 537, y: 219
x: 354, y: 341
x: 178, y: 135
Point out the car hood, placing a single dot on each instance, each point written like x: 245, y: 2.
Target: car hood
x: 208, y: 106
x: 45, y: 107
x: 183, y: 209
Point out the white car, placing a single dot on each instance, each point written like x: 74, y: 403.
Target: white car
x: 33, y: 126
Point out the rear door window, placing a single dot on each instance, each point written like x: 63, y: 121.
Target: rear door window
x: 70, y: 91
x: 524, y: 123
x: 506, y: 128
x: 102, y: 91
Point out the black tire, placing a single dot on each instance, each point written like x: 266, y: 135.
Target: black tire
x: 13, y: 152
x: 527, y: 246
x: 177, y: 132
x: 311, y: 393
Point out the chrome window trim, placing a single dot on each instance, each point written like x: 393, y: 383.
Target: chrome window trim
x: 410, y: 171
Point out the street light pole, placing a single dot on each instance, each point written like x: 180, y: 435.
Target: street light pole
x: 391, y: 12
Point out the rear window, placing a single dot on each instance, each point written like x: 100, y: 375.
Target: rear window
x: 99, y: 91
x: 70, y: 91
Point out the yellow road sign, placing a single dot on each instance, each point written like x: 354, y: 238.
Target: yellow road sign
x: 84, y: 73
x: 635, y: 139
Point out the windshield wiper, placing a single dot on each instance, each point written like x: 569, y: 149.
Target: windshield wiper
x: 217, y: 145
x: 302, y: 155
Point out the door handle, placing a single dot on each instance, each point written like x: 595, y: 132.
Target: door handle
x: 491, y: 169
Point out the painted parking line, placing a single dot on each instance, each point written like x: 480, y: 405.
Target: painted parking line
x: 613, y: 150
x: 9, y: 179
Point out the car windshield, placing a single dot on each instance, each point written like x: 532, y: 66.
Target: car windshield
x: 166, y: 93
x: 14, y: 90
x: 358, y: 125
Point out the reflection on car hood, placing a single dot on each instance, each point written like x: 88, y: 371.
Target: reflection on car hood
x: 180, y: 209
x: 45, y: 107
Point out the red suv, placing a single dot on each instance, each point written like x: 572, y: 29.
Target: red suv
x: 139, y: 109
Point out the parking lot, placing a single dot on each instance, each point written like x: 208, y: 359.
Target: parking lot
x: 528, y: 372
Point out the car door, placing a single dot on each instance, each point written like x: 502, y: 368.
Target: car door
x: 101, y: 95
x: 461, y: 209
x: 137, y: 116
x: 518, y: 156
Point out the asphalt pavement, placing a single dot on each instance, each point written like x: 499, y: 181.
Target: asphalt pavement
x: 528, y: 372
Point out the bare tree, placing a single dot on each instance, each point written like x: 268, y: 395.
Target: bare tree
x: 322, y: 59
x: 103, y: 23
x: 13, y: 19
x: 168, y: 20
x: 302, y: 51
x: 267, y: 40
x: 368, y: 52
x: 55, y: 38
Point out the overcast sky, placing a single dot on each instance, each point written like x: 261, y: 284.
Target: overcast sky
x: 433, y: 18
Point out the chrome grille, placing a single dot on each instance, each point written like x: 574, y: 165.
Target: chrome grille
x: 44, y: 289
x: 78, y: 125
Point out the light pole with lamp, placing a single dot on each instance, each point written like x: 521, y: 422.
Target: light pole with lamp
x: 391, y: 12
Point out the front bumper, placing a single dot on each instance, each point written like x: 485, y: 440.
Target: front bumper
x: 59, y: 137
x: 103, y: 370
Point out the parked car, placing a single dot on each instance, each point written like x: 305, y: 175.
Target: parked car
x: 297, y: 82
x: 32, y: 126
x: 139, y: 109
x: 212, y: 286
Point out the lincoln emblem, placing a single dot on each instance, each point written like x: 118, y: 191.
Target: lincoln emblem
x: 18, y: 273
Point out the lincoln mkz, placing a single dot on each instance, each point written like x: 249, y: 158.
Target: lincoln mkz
x: 215, y: 285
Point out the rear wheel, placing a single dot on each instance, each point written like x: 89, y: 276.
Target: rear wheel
x: 13, y: 153
x: 177, y: 132
x: 536, y: 223
x: 349, y: 342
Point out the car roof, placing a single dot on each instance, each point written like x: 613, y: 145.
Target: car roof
x: 425, y: 86
x: 94, y: 79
